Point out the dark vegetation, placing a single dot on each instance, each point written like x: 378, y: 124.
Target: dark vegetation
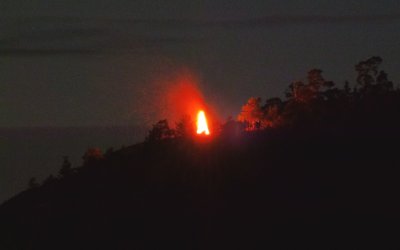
x: 319, y: 169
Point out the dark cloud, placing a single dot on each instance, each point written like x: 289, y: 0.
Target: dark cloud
x: 127, y: 45
x: 54, y: 34
x: 84, y: 42
x: 177, y: 23
x: 289, y: 20
x: 44, y: 36
x: 45, y: 52
x: 267, y: 21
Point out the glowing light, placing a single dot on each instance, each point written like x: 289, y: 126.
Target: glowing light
x: 201, y: 123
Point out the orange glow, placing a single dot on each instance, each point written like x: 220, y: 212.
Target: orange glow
x: 201, y: 123
x: 175, y: 96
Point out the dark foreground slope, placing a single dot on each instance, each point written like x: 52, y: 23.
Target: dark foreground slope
x: 331, y: 185
x: 321, y: 171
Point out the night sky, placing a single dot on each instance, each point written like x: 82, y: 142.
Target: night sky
x: 83, y: 63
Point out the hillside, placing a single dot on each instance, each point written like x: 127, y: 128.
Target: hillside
x: 319, y: 169
x: 289, y: 187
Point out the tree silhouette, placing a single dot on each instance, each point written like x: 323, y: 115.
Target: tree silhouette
x: 368, y: 71
x: 66, y: 168
x: 50, y: 179
x: 317, y: 82
x: 33, y: 183
x: 296, y: 91
x: 252, y: 114
x: 91, y: 156
x: 232, y: 129
x: 160, y: 130
x: 109, y: 152
x: 346, y: 88
x: 272, y: 111
x: 383, y: 82
x: 185, y: 127
x: 302, y: 92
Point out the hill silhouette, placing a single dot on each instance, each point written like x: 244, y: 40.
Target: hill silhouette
x: 319, y: 169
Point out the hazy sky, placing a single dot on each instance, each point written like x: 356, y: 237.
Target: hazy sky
x: 73, y: 63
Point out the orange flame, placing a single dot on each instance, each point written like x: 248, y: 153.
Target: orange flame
x: 201, y: 123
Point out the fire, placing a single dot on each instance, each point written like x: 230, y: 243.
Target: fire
x: 201, y: 123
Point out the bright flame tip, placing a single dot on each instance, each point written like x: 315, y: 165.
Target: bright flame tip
x: 202, y: 126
